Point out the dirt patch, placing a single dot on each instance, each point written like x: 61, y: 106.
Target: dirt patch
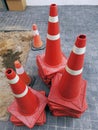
x: 13, y: 46
x: 9, y: 57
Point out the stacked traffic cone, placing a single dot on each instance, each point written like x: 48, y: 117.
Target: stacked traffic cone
x: 41, y: 120
x: 28, y: 80
x: 37, y: 43
x: 67, y: 96
x: 29, y: 104
x: 53, y: 60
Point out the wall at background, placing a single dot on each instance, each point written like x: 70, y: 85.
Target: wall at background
x: 61, y: 2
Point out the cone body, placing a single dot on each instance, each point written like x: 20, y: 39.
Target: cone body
x: 26, y: 100
x: 53, y: 60
x: 69, y: 86
x: 67, y: 96
x: 37, y: 42
x: 53, y: 54
x: 21, y: 72
x: 41, y: 120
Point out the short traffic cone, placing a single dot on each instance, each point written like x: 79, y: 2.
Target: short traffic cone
x: 69, y: 89
x: 21, y: 72
x: 41, y: 120
x: 29, y: 104
x: 53, y: 60
x: 37, y: 42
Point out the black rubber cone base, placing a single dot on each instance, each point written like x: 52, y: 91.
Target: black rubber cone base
x: 36, y: 49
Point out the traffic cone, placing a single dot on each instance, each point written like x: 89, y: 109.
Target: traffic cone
x: 69, y: 89
x: 28, y: 104
x: 41, y: 120
x: 23, y: 75
x: 37, y: 42
x: 53, y: 60
x: 73, y: 70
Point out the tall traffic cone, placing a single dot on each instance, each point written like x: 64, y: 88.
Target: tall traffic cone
x: 69, y: 90
x: 73, y: 70
x: 53, y: 60
x: 37, y: 42
x: 29, y: 104
x: 28, y: 80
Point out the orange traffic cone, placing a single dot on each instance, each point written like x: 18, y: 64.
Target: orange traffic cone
x: 37, y: 42
x: 69, y: 90
x: 53, y: 60
x: 53, y: 54
x: 21, y: 72
x: 41, y: 120
x: 29, y: 104
x: 70, y: 84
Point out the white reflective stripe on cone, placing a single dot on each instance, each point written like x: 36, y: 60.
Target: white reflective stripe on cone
x: 20, y: 70
x: 53, y: 19
x: 14, y: 80
x: 35, y: 32
x: 22, y: 94
x: 73, y: 72
x: 53, y: 37
x: 79, y: 51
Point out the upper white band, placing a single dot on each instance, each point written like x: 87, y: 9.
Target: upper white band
x: 22, y: 94
x: 53, y: 37
x: 53, y: 19
x: 73, y: 72
x: 14, y: 80
x: 35, y: 32
x: 79, y: 51
x: 20, y: 70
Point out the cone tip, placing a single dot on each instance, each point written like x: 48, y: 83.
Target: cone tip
x: 82, y: 36
x: 53, y: 10
x: 17, y: 64
x: 81, y: 40
x: 53, y: 5
x: 8, y: 71
x: 34, y: 27
x: 10, y: 74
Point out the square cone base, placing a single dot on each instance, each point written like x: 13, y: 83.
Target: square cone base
x: 46, y: 71
x: 29, y: 120
x: 41, y: 120
x: 62, y: 107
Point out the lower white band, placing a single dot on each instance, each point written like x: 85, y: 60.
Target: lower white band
x: 53, y: 37
x: 73, y: 72
x: 22, y: 94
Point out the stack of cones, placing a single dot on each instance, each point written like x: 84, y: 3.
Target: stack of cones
x: 53, y: 60
x: 41, y: 120
x: 28, y: 80
x: 37, y: 43
x: 28, y: 107
x: 67, y: 96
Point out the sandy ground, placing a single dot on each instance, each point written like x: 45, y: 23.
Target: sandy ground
x: 18, y: 44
